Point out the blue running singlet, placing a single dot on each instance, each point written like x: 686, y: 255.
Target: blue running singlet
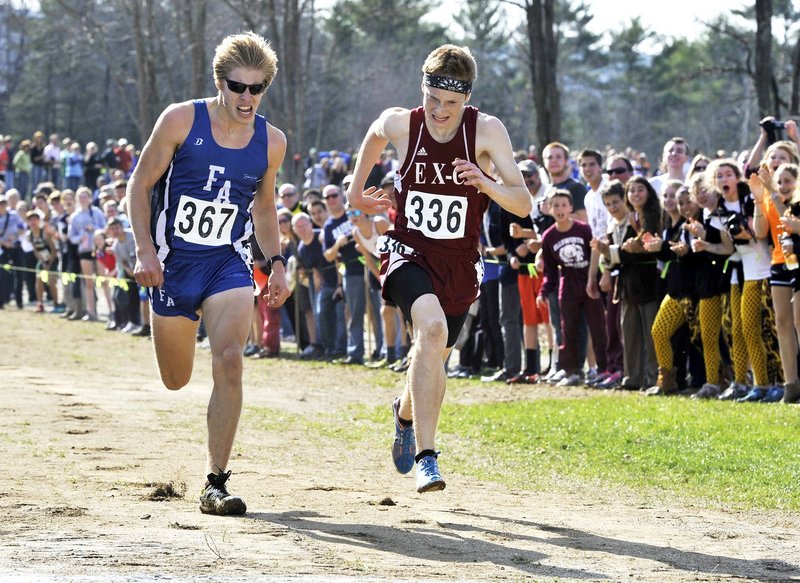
x: 203, y: 201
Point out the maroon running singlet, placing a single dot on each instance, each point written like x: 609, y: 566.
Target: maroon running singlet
x: 439, y: 218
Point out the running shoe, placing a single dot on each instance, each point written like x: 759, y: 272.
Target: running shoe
x: 215, y: 498
x: 405, y: 446
x: 428, y: 477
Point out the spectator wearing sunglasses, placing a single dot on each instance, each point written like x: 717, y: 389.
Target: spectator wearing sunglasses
x: 339, y: 245
x: 699, y: 164
x: 289, y: 198
x: 221, y: 159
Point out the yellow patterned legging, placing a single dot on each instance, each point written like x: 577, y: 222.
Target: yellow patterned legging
x: 672, y: 314
x: 710, y: 313
x: 746, y: 330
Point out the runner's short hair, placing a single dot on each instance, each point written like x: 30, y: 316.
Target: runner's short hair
x: 247, y: 50
x: 451, y: 61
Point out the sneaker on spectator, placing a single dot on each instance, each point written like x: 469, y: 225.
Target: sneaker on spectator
x: 791, y: 392
x: 557, y: 377
x: 401, y: 366
x: 755, y: 394
x: 312, y: 352
x: 405, y: 445
x: 348, y: 360
x: 774, y: 394
x: 734, y: 391
x: 523, y: 379
x: 612, y: 381
x: 250, y: 350
x: 215, y: 498
x: 144, y: 331
x: 455, y: 372
x: 500, y: 376
x: 58, y: 309
x: 591, y: 376
x: 707, y: 391
x: 572, y: 380
x: 130, y: 328
x: 429, y: 479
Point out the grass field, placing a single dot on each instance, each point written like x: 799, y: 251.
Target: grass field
x: 714, y: 454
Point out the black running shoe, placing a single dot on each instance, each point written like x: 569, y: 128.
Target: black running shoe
x: 215, y: 498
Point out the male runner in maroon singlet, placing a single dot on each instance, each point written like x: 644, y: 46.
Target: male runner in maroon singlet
x: 431, y: 267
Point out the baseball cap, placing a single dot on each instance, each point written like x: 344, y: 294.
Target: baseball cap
x: 528, y: 167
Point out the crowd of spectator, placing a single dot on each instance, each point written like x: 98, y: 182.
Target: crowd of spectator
x: 679, y: 279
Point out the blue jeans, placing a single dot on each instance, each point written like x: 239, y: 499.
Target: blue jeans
x: 356, y: 304
x: 40, y: 174
x: 330, y: 314
x: 22, y: 180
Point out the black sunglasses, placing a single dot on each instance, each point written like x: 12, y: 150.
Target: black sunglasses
x: 237, y: 87
x: 612, y: 171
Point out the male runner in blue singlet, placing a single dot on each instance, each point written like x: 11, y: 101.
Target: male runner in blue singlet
x: 204, y: 181
x: 430, y: 265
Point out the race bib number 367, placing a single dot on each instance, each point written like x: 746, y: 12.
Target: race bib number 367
x: 204, y: 223
x: 437, y: 216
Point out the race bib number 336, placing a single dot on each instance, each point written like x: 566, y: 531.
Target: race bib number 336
x: 204, y: 223
x: 437, y: 216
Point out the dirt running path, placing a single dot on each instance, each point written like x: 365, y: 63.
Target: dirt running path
x: 86, y: 431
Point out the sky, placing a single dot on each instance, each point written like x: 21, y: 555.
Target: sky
x: 675, y: 18
x: 671, y: 18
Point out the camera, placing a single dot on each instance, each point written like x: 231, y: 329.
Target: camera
x: 774, y: 129
x: 772, y: 124
x: 736, y: 223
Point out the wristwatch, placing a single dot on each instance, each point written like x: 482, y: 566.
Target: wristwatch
x: 275, y: 258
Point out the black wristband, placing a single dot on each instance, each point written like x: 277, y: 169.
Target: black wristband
x: 275, y: 258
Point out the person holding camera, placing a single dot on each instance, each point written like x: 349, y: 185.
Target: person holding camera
x: 771, y: 138
x: 750, y: 269
x: 774, y: 194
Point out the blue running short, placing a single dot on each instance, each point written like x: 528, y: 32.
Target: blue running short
x: 189, y: 278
